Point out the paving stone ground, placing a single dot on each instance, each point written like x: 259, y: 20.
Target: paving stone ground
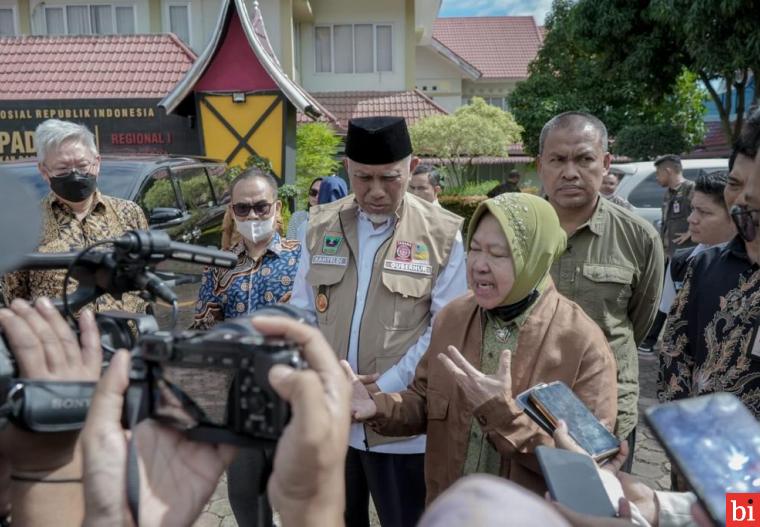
x: 650, y: 462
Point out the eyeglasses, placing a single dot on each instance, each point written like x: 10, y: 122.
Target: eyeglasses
x: 746, y: 221
x: 82, y: 167
x: 242, y: 210
x: 313, y: 193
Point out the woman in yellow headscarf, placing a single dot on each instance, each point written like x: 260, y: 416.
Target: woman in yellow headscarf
x: 511, y: 331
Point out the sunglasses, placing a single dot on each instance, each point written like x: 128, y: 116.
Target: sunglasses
x: 313, y: 193
x: 242, y: 210
x: 746, y: 222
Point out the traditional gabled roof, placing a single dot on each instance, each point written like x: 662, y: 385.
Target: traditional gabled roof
x: 91, y: 67
x: 256, y: 37
x: 412, y: 105
x: 500, y: 47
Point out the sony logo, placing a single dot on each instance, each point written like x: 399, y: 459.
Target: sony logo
x: 69, y: 402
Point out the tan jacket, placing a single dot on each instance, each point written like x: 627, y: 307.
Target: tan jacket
x: 557, y: 342
x: 397, y: 305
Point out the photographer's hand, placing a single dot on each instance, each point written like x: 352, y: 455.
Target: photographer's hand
x: 307, y: 485
x: 46, y: 467
x: 177, y: 475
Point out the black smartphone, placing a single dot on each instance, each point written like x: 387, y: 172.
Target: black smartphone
x: 523, y: 401
x: 563, y: 470
x: 714, y: 440
x: 556, y: 401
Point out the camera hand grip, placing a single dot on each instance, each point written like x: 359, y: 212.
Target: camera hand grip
x: 50, y: 406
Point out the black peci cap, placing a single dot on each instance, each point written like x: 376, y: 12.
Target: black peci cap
x: 377, y: 140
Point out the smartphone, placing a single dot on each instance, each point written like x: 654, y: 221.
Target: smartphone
x: 714, y: 440
x: 556, y: 401
x: 523, y: 401
x: 563, y: 470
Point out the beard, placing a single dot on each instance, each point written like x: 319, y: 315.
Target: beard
x: 377, y: 218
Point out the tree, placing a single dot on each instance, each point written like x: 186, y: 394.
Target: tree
x: 316, y: 155
x: 474, y: 130
x: 569, y: 74
x: 652, y: 41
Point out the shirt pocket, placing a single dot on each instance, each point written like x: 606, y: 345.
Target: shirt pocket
x: 606, y: 290
x: 411, y: 301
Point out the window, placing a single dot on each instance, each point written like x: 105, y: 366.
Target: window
x: 179, y: 21
x: 649, y: 194
x: 98, y: 19
x: 125, y: 20
x: 195, y: 187
x: 7, y: 23
x: 55, y: 23
x: 158, y: 193
x: 353, y: 48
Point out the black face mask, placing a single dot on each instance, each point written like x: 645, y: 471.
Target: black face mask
x: 74, y: 186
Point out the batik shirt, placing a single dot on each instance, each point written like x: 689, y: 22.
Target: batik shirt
x: 710, y: 340
x: 63, y: 232
x: 252, y: 284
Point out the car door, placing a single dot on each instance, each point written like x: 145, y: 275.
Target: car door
x: 199, y: 200
x: 159, y: 198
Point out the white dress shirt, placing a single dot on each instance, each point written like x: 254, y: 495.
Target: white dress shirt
x: 451, y: 283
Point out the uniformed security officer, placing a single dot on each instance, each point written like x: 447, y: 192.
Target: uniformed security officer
x: 376, y: 267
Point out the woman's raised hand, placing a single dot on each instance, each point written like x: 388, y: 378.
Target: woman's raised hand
x: 478, y: 387
x: 362, y: 405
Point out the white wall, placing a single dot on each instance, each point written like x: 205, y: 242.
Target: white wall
x: 486, y: 88
x: 437, y: 78
x: 354, y: 12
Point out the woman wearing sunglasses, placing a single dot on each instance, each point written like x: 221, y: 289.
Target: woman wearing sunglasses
x: 302, y: 216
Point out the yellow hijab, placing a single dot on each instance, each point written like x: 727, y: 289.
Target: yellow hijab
x: 534, y: 235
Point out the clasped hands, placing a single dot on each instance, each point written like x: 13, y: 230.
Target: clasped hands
x: 478, y: 388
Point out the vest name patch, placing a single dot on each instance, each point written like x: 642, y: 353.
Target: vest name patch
x: 321, y: 259
x: 409, y: 267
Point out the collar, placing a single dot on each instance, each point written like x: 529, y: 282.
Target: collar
x: 275, y: 247
x: 598, y: 218
x: 98, y: 204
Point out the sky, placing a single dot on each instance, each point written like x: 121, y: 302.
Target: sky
x: 537, y: 8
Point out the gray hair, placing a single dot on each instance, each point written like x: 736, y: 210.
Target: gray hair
x: 571, y: 119
x: 434, y: 178
x: 51, y: 134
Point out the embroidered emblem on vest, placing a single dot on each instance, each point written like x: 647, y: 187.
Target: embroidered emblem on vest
x: 421, y: 252
x: 408, y: 267
x: 331, y: 243
x: 403, y: 251
x: 320, y: 259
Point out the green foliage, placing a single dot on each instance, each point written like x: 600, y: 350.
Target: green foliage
x: 471, y: 189
x: 571, y: 72
x: 476, y: 129
x: 652, y: 41
x: 316, y: 151
x: 644, y: 142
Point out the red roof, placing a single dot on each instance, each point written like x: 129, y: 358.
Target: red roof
x: 714, y: 143
x: 412, y: 105
x: 91, y: 67
x: 501, y: 47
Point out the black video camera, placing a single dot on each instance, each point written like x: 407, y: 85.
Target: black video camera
x: 211, y: 384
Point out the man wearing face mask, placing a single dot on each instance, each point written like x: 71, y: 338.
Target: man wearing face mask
x: 266, y: 262
x: 75, y: 214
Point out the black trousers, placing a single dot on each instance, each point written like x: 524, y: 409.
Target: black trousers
x: 397, y: 485
x: 246, y: 487
x: 654, y: 332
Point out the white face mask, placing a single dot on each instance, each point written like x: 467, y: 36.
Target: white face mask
x: 255, y: 230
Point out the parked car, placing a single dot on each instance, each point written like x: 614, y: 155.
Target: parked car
x: 641, y: 189
x: 182, y: 195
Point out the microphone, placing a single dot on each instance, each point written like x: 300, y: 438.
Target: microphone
x: 158, y: 243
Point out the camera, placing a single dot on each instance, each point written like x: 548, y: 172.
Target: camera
x: 233, y: 357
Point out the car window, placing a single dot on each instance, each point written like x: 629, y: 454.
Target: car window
x: 117, y: 178
x: 220, y: 184
x: 195, y: 187
x: 158, y: 192
x: 649, y: 193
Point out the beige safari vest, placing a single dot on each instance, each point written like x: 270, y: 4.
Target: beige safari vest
x: 406, y: 266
